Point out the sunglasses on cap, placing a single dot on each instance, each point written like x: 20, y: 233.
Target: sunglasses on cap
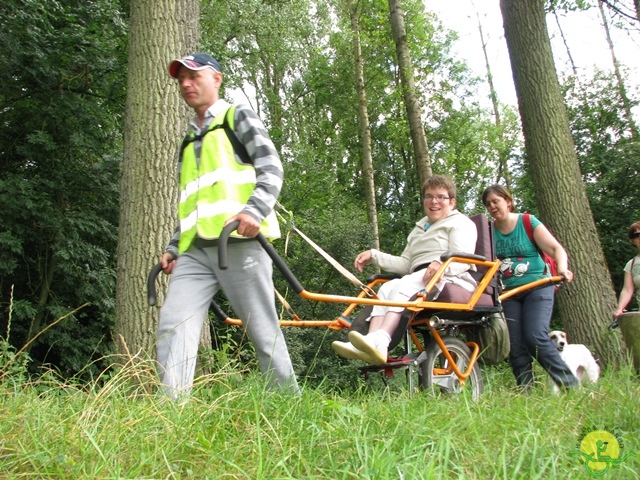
x: 635, y: 235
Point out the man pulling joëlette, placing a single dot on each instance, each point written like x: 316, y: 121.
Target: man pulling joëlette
x: 217, y: 186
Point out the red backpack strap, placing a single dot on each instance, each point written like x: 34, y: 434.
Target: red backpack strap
x: 526, y: 222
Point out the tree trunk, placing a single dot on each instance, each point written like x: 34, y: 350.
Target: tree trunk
x: 155, y: 123
x: 616, y: 71
x: 503, y: 157
x: 585, y: 304
x: 272, y: 83
x: 566, y: 45
x: 411, y: 98
x: 46, y: 276
x: 365, y: 131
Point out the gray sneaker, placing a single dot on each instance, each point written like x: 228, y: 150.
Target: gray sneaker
x: 347, y: 350
x: 370, y: 346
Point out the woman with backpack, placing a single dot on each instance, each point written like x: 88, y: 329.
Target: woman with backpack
x: 520, y: 241
x: 631, y: 273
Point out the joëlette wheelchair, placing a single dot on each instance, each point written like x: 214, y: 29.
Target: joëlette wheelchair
x: 433, y: 332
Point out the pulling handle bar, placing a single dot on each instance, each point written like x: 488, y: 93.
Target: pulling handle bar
x: 223, y: 256
x: 151, y: 285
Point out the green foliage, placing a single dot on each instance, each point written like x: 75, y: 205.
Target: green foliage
x: 62, y: 79
x: 569, y: 5
x: 341, y: 231
x: 608, y: 155
x: 298, y: 58
x: 13, y: 364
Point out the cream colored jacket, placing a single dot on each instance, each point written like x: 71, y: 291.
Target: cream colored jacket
x: 454, y: 233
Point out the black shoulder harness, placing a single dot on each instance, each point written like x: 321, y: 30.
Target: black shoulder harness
x: 238, y: 146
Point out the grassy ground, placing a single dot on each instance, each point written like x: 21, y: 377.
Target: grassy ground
x: 232, y: 428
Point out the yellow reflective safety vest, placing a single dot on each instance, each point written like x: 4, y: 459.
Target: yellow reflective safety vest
x: 216, y: 189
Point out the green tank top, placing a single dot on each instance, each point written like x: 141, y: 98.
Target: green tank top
x: 521, y: 262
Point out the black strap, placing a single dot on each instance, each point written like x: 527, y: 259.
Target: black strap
x: 421, y: 267
x: 238, y: 146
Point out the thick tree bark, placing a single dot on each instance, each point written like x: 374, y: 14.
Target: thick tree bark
x: 409, y: 93
x: 154, y: 125
x: 585, y: 304
x: 365, y: 131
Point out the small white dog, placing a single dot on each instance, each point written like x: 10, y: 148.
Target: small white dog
x: 577, y: 357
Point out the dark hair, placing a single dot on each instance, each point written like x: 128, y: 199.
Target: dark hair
x: 500, y: 191
x: 635, y: 227
x: 440, y: 181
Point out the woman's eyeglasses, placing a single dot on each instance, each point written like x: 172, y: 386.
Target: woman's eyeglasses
x: 635, y: 235
x: 439, y: 198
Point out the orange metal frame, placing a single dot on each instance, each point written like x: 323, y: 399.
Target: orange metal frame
x: 417, y: 305
x: 368, y: 297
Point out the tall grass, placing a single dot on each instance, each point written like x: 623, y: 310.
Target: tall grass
x: 232, y: 428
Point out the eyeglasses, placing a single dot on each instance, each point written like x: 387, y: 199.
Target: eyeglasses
x: 439, y: 198
x: 634, y: 236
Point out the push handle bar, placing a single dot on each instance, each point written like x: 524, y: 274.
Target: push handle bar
x: 471, y: 256
x: 223, y: 257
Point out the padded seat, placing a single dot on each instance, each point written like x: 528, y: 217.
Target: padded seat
x: 455, y: 294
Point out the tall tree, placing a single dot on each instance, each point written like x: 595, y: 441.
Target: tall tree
x: 617, y: 72
x: 586, y: 303
x: 154, y: 124
x: 409, y: 91
x: 503, y: 154
x: 365, y: 130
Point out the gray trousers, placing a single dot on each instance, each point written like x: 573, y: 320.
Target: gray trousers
x: 248, y: 285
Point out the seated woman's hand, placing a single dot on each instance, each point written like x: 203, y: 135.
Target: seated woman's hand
x: 431, y: 271
x: 362, y: 259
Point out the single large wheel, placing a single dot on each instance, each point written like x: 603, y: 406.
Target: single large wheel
x: 437, y: 375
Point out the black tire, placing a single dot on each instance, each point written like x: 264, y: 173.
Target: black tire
x: 440, y: 383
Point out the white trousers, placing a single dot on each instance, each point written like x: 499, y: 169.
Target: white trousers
x: 402, y: 289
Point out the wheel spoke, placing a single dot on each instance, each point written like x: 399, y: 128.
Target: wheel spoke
x: 437, y: 373
x: 446, y: 382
